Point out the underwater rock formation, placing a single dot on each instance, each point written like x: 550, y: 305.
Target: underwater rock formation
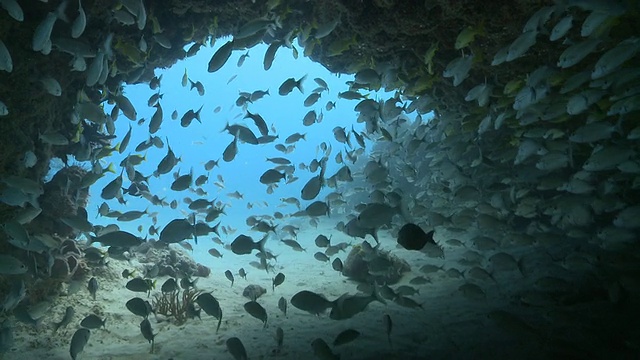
x: 170, y: 262
x: 369, y: 265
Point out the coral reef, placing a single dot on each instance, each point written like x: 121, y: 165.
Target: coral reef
x: 175, y: 304
x: 171, y: 262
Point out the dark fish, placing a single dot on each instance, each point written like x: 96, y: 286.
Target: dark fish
x: 139, y: 307
x: 236, y: 349
x: 257, y: 311
x: 279, y: 339
x: 322, y: 351
x: 231, y: 150
x: 211, y: 306
x: 337, y: 265
x: 141, y: 285
x: 176, y: 231
x: 186, y: 283
x: 93, y: 287
x: 322, y: 241
x: 345, y: 337
x: 412, y: 237
x: 278, y: 280
x: 229, y: 276
x: 282, y: 305
x: 169, y: 286
x: 288, y: 85
x: 271, y: 176
x: 259, y: 121
x: 245, y: 245
x: 347, y: 306
x: 93, y: 322
x: 320, y: 256
x: 242, y: 273
x: 220, y: 57
x: 147, y: 332
x: 388, y: 325
x: 117, y: 238
x: 66, y: 319
x: 311, y: 302
x: 78, y: 341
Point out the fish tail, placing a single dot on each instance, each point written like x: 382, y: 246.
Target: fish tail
x: 299, y: 83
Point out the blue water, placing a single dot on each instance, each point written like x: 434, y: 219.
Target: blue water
x: 201, y: 142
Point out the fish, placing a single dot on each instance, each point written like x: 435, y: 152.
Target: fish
x: 376, y: 214
x: 270, y: 54
x: 278, y: 280
x: 93, y: 322
x: 279, y: 339
x: 147, y: 332
x: 242, y: 273
x: 322, y: 351
x: 220, y: 57
x: 259, y: 121
x: 282, y: 305
x: 294, y: 138
x: 257, y: 311
x: 139, y: 284
x: 229, y: 276
x: 139, y: 307
x: 117, y: 238
x: 288, y: 85
x: 412, y: 237
x: 13, y: 9
x: 322, y: 241
x: 189, y: 116
x: 211, y: 306
x: 126, y: 273
x: 231, y: 150
x: 80, y: 22
x: 177, y: 230
x: 388, y: 326
x: 93, y: 287
x: 170, y: 285
x: 337, y: 265
x: 236, y: 349
x: 244, y: 244
x: 576, y: 52
x: 16, y: 294
x: 42, y: 33
x: 467, y: 35
x: 9, y: 265
x: 271, y: 176
x: 66, y: 319
x: 310, y: 302
x: 4, y: 110
x: 318, y: 208
x: 185, y: 78
x: 78, y: 341
x: 321, y: 256
x: 346, y: 337
x: 613, y: 58
x: 198, y: 86
x: 347, y: 306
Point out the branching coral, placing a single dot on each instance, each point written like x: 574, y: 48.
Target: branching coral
x: 175, y: 304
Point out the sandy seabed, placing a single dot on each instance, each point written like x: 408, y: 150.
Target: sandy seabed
x: 449, y: 325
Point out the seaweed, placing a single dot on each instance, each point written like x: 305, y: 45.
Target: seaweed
x: 175, y: 304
